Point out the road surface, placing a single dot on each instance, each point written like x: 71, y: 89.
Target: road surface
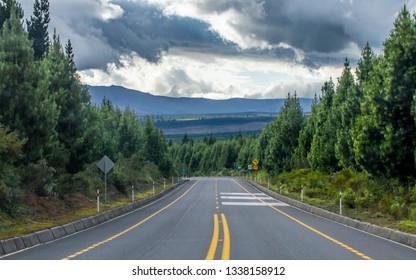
x: 218, y: 218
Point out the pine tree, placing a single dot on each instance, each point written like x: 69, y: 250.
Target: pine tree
x: 300, y: 157
x: 6, y: 8
x: 73, y: 100
x: 322, y: 154
x: 345, y: 109
x: 384, y: 137
x: 37, y: 27
x: 365, y: 64
x: 284, y: 134
x: 27, y: 106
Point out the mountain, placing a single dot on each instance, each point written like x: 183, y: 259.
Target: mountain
x: 151, y: 105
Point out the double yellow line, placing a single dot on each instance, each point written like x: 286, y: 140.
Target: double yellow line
x: 215, y: 238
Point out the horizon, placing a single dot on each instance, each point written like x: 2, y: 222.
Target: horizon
x: 205, y: 98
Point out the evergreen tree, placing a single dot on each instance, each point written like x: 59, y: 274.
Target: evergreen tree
x: 365, y: 64
x: 284, y: 133
x: 37, y: 27
x: 73, y: 100
x: 131, y: 135
x: 322, y: 153
x: 384, y: 137
x: 6, y: 8
x: 27, y: 106
x: 345, y: 109
x: 300, y: 157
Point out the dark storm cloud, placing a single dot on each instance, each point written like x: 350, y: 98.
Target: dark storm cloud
x: 317, y: 28
x: 324, y: 26
x: 145, y: 30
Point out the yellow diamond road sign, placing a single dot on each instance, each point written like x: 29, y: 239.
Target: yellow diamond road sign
x: 255, y: 162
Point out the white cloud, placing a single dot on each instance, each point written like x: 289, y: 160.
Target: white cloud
x: 212, y: 76
x: 107, y: 10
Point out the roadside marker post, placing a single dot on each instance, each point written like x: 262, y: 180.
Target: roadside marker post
x: 164, y: 183
x: 340, y: 203
x: 132, y: 193
x: 153, y: 187
x: 98, y: 201
x: 301, y: 194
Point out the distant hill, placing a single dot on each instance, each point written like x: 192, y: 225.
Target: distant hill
x: 151, y: 105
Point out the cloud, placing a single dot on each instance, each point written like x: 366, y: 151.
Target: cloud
x: 227, y: 48
x: 180, y: 73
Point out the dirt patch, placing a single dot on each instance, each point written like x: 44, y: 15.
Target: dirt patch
x: 44, y: 205
x: 77, y: 200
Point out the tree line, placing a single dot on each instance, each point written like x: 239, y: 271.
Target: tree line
x: 48, y: 127
x: 364, y: 122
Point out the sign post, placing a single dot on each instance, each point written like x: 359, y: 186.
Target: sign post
x: 105, y: 165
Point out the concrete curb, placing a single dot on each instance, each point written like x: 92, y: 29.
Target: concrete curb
x: 45, y: 236
x: 12, y: 245
x: 391, y: 234
x: 31, y: 240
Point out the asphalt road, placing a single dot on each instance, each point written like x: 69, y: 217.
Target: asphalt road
x: 218, y: 218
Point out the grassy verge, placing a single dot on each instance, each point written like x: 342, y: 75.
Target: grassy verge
x: 46, y: 212
x: 382, y: 202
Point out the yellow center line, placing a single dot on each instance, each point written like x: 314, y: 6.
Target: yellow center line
x: 128, y: 229
x: 226, y: 244
x: 214, y: 241
x: 311, y: 228
x: 215, y: 235
x: 225, y: 255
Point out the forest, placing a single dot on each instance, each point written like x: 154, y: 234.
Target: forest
x: 360, y: 137
x: 50, y: 134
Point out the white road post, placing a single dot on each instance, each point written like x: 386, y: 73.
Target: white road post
x: 153, y: 187
x: 268, y: 183
x: 98, y: 201
x: 164, y: 183
x: 340, y: 202
x: 280, y: 188
x: 301, y: 194
x: 132, y: 193
x: 105, y: 189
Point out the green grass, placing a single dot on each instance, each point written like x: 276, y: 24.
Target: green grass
x: 32, y: 221
x: 377, y: 201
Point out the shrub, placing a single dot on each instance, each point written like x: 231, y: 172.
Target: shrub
x: 398, y: 210
x: 120, y: 180
x: 349, y: 198
x: 365, y: 199
x: 412, y: 212
x: 39, y: 178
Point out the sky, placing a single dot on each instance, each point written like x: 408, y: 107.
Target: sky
x: 219, y: 49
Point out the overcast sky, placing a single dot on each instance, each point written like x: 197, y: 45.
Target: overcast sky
x: 219, y: 48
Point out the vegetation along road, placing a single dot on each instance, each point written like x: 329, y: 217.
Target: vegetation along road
x: 219, y: 218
